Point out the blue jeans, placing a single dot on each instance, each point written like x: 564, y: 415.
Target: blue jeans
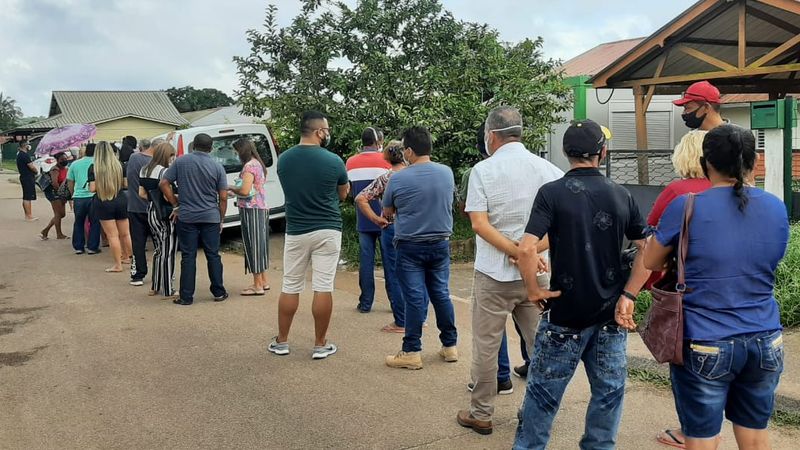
x: 426, y: 266
x: 83, y: 207
x: 190, y: 237
x: 393, y: 290
x: 556, y: 354
x: 366, y: 268
x: 735, y: 376
x: 503, y: 364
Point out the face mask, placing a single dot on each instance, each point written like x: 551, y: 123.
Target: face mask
x: 62, y: 163
x: 325, y: 142
x: 692, y: 121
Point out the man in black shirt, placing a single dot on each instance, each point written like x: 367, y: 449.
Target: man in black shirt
x: 27, y: 178
x: 586, y: 217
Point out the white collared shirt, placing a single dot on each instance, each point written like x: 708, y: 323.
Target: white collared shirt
x: 505, y: 186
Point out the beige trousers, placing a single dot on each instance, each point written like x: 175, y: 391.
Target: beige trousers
x: 492, y: 302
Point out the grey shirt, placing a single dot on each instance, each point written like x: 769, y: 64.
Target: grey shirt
x: 200, y: 179
x: 422, y: 194
x: 134, y: 166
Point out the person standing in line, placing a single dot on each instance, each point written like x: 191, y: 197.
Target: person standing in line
x: 137, y: 211
x: 586, y: 218
x: 199, y: 213
x: 732, y: 342
x: 58, y: 176
x: 78, y: 182
x: 27, y: 178
x: 502, y: 189
x: 362, y: 169
x: 393, y: 154
x: 421, y: 196
x: 162, y: 228
x: 314, y: 181
x: 253, y: 214
x: 110, y: 204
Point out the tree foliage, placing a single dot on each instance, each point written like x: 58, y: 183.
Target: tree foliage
x: 10, y: 113
x: 188, y: 98
x: 392, y: 64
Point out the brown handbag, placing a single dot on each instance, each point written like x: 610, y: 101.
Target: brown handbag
x: 662, y: 331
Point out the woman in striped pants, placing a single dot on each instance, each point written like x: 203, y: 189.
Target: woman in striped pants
x: 254, y: 215
x: 161, y: 226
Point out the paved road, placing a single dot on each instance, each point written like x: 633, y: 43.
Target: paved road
x: 87, y: 361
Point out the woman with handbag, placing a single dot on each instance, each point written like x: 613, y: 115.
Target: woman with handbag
x: 165, y: 242
x: 58, y: 195
x: 732, y: 341
x: 253, y: 214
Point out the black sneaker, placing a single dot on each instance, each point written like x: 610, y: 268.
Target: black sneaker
x: 182, y: 302
x: 221, y: 298
x: 362, y: 310
x: 94, y: 252
x: 503, y: 388
x: 521, y: 371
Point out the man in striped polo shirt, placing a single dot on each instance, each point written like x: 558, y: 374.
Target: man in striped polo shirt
x: 363, y: 169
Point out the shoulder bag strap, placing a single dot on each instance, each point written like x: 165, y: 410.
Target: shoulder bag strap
x: 683, y: 243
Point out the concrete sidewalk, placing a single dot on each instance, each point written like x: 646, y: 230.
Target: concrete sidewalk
x: 87, y: 361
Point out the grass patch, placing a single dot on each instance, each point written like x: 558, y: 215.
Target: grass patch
x: 649, y: 376
x: 783, y: 418
x: 9, y: 165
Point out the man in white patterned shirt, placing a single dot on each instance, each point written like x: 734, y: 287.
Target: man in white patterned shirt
x: 500, y: 198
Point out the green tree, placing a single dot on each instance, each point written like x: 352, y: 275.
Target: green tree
x: 391, y: 64
x: 10, y: 113
x: 188, y: 98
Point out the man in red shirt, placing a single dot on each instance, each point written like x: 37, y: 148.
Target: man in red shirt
x: 362, y: 169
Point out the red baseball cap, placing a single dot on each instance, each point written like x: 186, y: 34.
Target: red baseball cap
x: 702, y: 91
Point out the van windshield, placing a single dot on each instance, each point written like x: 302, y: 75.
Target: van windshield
x: 222, y: 150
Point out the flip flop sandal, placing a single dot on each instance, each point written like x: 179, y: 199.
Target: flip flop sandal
x: 251, y: 293
x: 667, y: 438
x: 391, y: 328
x: 110, y: 270
x: 43, y: 237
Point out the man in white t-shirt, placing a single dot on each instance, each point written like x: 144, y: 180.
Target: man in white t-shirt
x: 500, y: 198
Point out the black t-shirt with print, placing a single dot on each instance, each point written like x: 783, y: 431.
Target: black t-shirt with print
x: 586, y: 217
x: 23, y: 159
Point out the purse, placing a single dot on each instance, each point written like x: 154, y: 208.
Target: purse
x: 662, y: 331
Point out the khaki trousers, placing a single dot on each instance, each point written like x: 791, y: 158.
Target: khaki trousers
x: 492, y: 302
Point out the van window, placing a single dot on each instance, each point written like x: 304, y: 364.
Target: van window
x: 222, y: 150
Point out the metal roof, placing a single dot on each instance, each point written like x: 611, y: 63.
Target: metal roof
x: 103, y: 106
x: 592, y: 61
x: 702, y: 43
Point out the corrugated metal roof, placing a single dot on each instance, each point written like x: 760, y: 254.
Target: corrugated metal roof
x: 102, y: 106
x: 592, y: 61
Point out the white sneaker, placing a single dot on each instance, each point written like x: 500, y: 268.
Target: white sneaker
x: 322, y: 352
x: 137, y: 282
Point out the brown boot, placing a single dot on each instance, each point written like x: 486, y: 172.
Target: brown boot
x: 405, y: 360
x: 465, y: 419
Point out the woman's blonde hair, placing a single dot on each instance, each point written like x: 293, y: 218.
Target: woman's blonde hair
x: 107, y: 172
x: 162, y: 155
x: 686, y: 157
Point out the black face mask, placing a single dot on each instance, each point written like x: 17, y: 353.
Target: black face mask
x: 62, y: 163
x: 692, y: 121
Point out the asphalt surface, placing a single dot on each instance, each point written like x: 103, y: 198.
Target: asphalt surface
x: 87, y: 361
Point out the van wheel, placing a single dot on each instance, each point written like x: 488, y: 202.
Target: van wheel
x: 278, y: 225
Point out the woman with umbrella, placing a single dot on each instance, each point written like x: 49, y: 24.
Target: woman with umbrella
x: 56, y: 193
x: 110, y: 203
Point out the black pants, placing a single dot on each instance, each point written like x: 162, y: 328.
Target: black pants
x: 140, y: 230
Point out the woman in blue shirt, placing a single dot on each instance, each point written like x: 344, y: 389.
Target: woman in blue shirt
x: 733, y: 346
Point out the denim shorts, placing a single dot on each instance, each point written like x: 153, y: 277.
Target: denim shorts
x: 735, y: 376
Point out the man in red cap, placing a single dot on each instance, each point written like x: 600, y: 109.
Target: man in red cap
x: 701, y: 104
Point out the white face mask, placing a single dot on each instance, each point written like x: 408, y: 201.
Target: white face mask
x: 486, y: 141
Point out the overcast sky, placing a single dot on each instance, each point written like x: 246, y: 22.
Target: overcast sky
x: 48, y: 45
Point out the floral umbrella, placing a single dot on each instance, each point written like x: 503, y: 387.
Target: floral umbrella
x: 60, y: 139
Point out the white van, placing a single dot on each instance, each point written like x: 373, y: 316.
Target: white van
x: 223, y: 137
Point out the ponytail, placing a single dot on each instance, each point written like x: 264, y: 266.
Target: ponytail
x: 738, y: 169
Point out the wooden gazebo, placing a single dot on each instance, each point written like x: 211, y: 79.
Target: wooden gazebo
x: 741, y: 46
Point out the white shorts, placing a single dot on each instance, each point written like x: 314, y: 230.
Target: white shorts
x: 320, y: 248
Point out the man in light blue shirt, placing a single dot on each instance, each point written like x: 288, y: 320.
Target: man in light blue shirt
x: 78, y: 183
x: 421, y: 197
